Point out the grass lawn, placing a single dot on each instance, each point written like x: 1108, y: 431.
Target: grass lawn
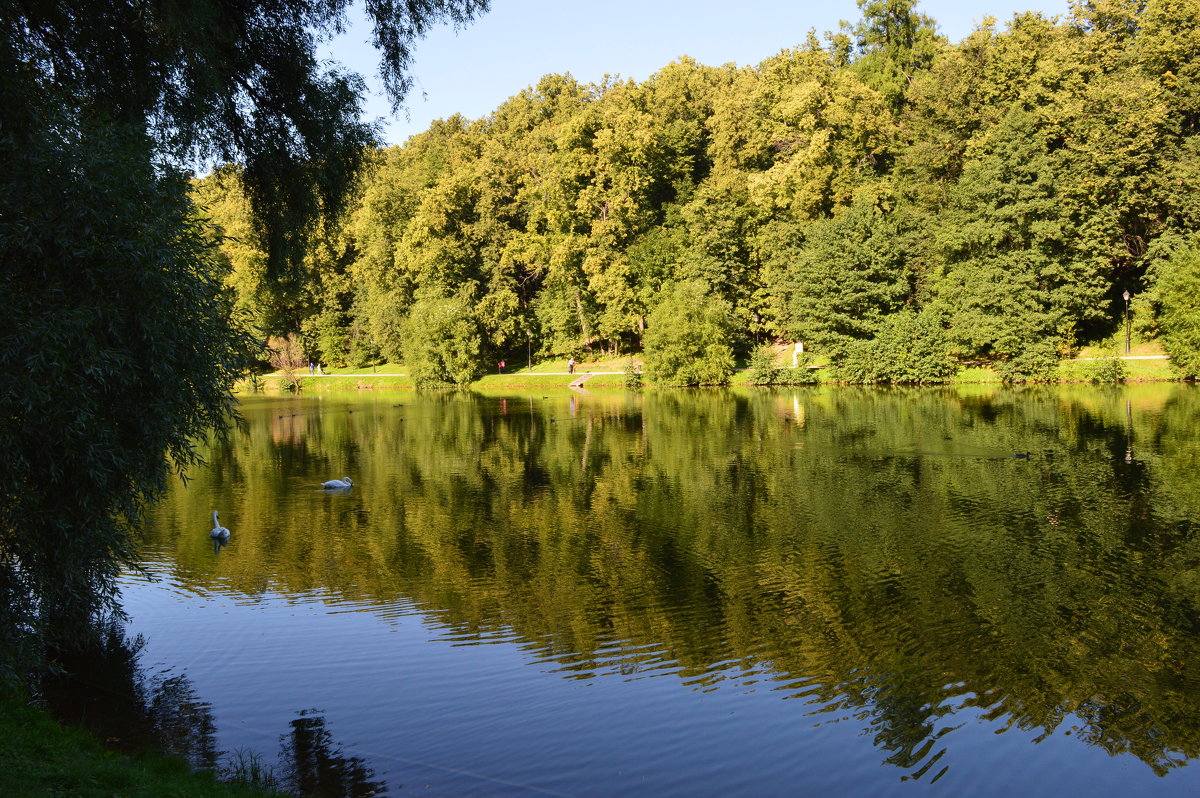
x: 610, y: 372
x: 1135, y: 370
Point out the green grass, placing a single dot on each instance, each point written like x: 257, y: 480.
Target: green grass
x: 975, y: 374
x: 528, y: 379
x: 382, y: 381
x: 1115, y: 345
x: 553, y: 373
x: 41, y: 758
x: 394, y: 379
x: 386, y: 368
x: 1135, y: 370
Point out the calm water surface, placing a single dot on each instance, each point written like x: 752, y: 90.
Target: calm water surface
x: 827, y: 591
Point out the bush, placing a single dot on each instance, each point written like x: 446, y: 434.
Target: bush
x: 286, y: 356
x: 763, y: 370
x: 441, y: 343
x: 1037, y: 362
x: 687, y: 338
x: 910, y: 348
x: 633, y: 375
x: 1107, y: 371
x: 801, y: 375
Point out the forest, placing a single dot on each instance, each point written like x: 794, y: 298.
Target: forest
x: 898, y: 203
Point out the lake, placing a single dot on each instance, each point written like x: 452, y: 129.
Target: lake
x: 941, y: 591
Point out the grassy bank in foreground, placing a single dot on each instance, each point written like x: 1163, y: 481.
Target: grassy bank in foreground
x: 41, y: 758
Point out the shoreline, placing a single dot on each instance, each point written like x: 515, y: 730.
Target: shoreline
x: 1140, y: 368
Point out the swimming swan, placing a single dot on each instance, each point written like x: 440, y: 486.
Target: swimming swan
x: 219, y: 533
x: 344, y: 482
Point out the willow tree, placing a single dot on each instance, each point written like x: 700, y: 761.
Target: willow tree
x: 116, y: 343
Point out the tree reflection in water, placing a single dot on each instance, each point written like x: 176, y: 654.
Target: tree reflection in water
x: 880, y: 555
x: 315, y: 765
x: 99, y: 685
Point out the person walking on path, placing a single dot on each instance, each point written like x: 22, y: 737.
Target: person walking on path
x: 501, y: 366
x: 571, y: 366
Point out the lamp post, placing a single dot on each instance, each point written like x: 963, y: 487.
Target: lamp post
x: 1126, y: 296
x: 528, y: 350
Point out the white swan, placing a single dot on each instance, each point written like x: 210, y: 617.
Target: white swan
x: 219, y: 533
x: 344, y: 482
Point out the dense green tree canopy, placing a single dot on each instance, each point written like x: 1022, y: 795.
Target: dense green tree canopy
x: 1013, y: 184
x: 1177, y: 296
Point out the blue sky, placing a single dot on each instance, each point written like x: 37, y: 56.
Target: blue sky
x: 474, y: 70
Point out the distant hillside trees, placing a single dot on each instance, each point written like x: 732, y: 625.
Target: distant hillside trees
x: 1007, y: 188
